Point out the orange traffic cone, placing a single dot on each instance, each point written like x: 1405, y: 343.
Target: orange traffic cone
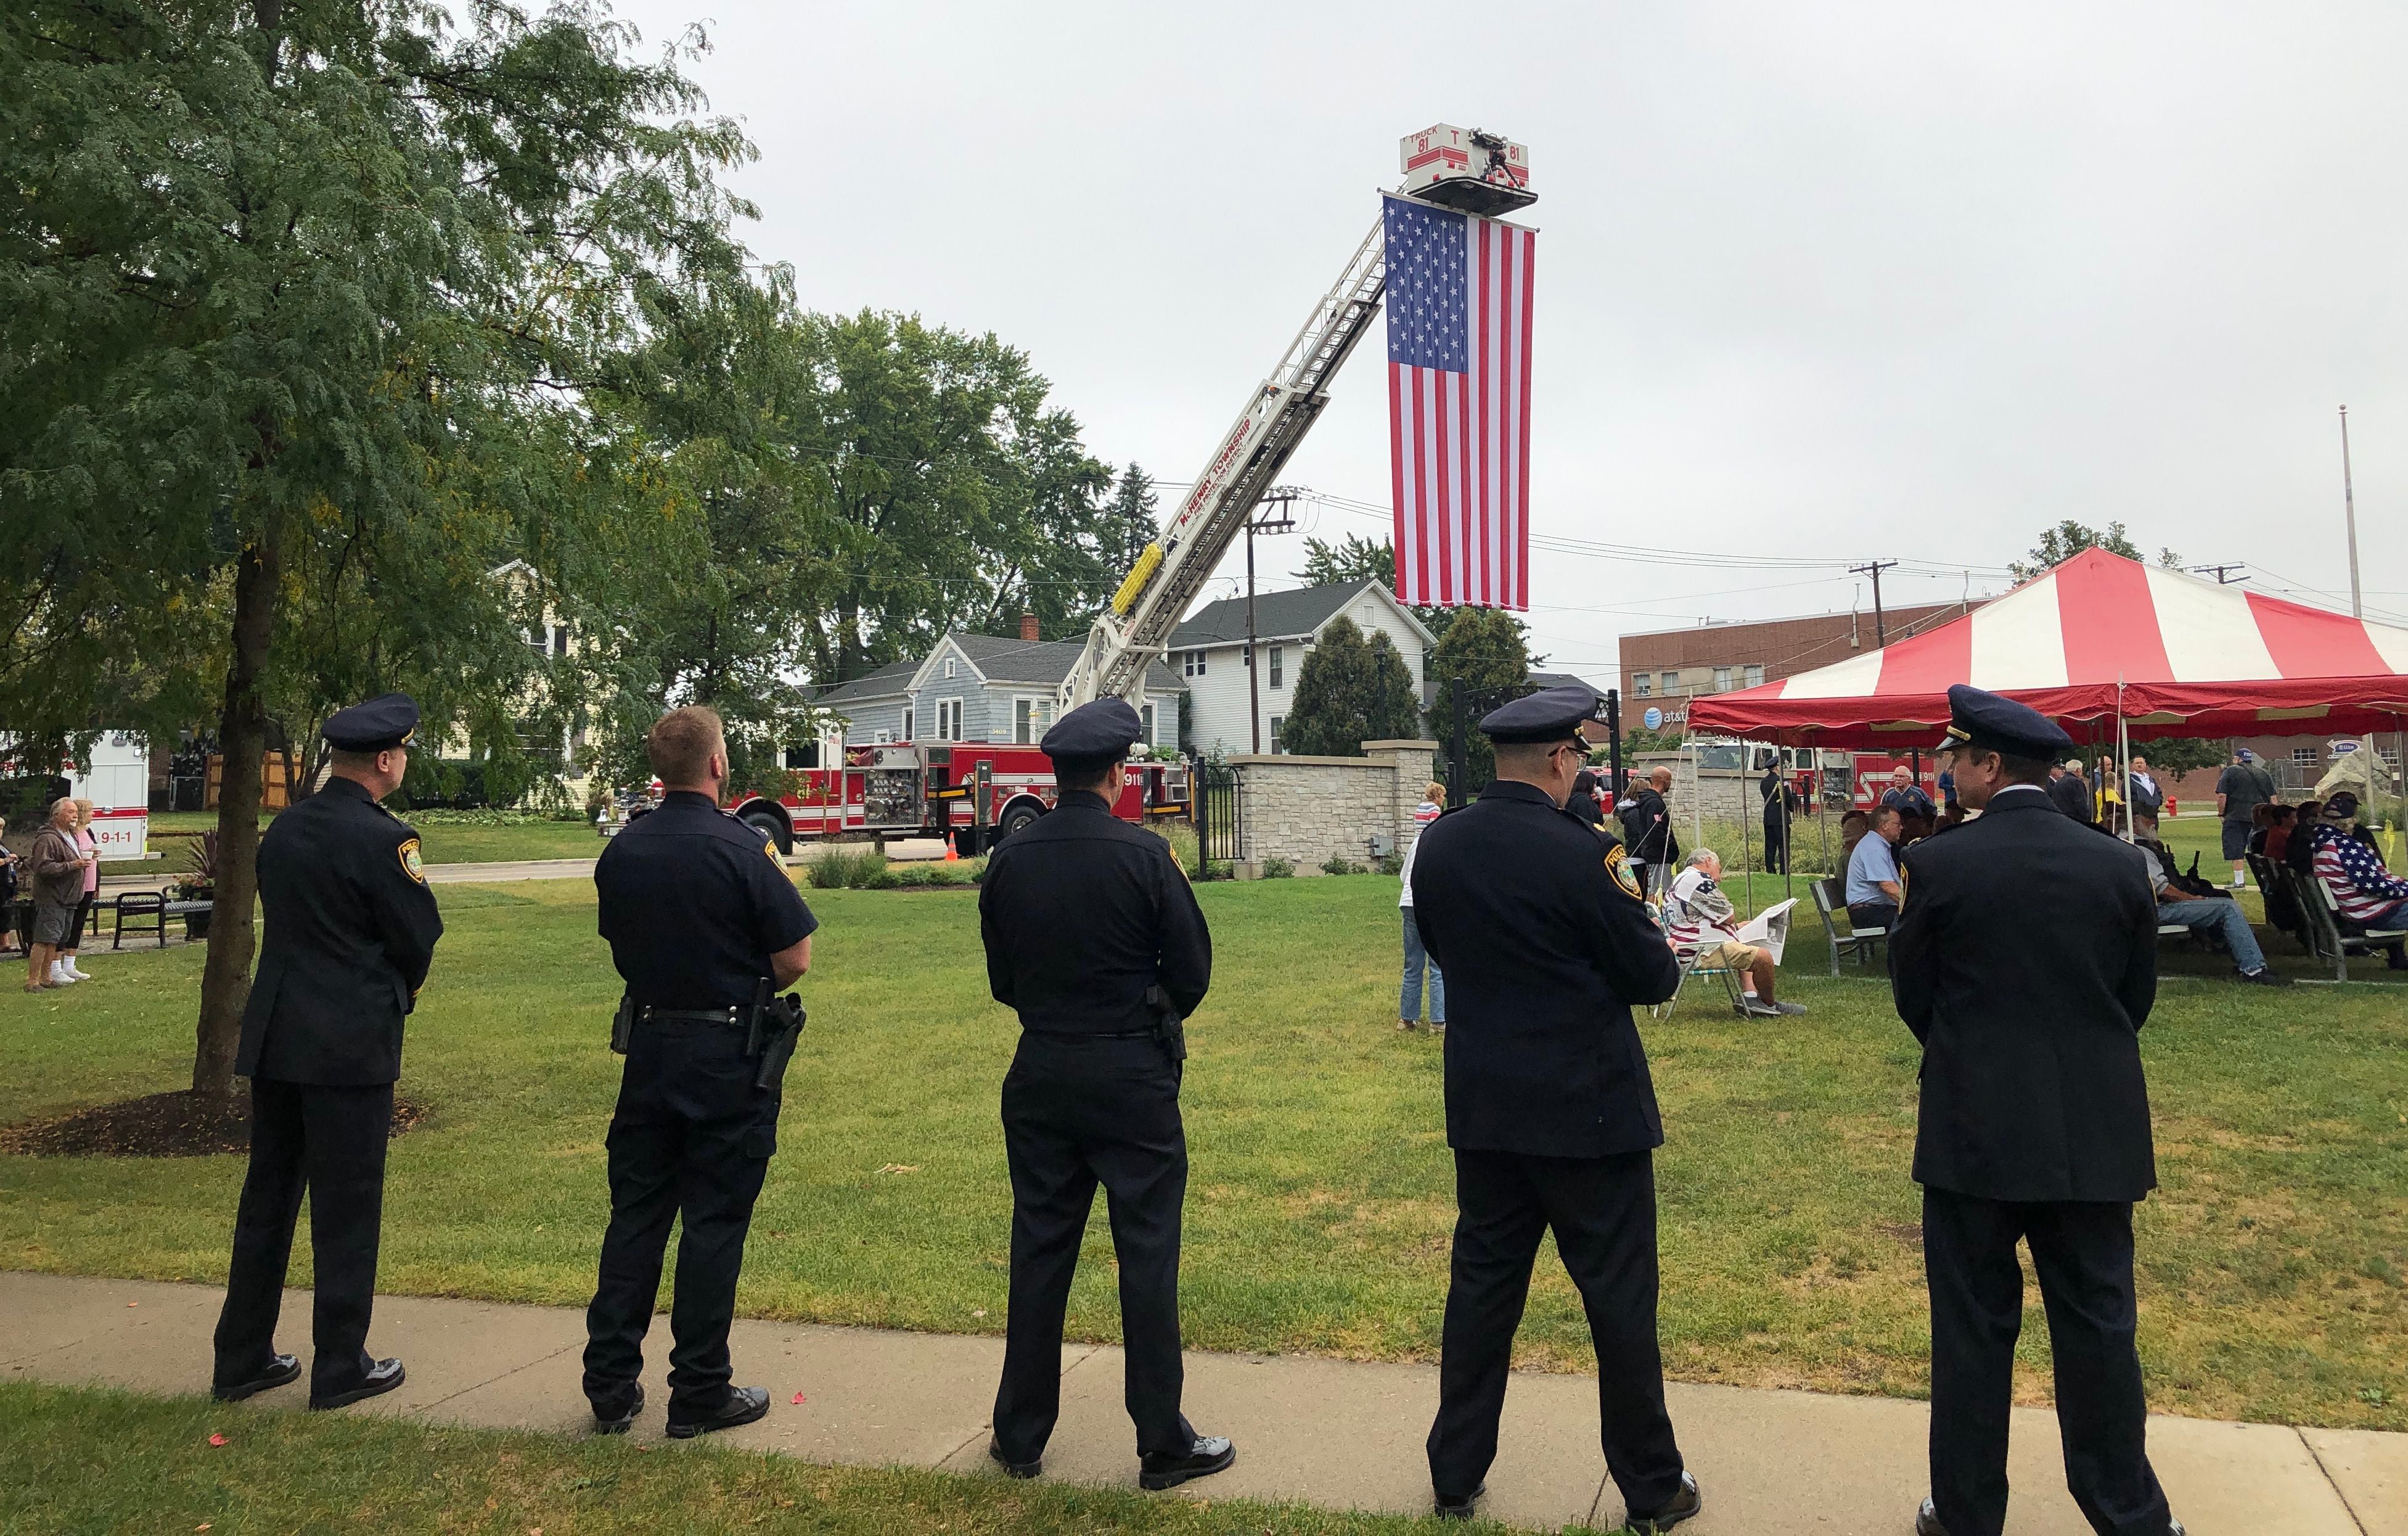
x: 952, y: 852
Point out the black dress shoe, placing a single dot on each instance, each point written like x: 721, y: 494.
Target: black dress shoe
x: 744, y: 1405
x: 1160, y: 1469
x: 1683, y: 1504
x: 382, y: 1377
x: 280, y: 1370
x: 1926, y: 1521
x: 1012, y: 1468
x: 2264, y: 977
x: 1449, y: 1506
x: 616, y: 1424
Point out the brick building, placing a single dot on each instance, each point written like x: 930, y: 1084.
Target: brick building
x: 1665, y: 667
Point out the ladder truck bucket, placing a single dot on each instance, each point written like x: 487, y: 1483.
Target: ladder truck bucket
x: 1469, y: 169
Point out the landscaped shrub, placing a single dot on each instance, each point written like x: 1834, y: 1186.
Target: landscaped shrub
x: 838, y: 866
x: 1392, y: 863
x: 1277, y: 869
x: 1338, y: 864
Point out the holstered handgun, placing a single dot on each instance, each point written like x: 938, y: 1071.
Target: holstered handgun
x: 622, y: 1025
x: 779, y: 1049
x: 1169, y: 1028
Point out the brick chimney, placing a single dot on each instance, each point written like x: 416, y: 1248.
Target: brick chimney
x: 1028, y: 627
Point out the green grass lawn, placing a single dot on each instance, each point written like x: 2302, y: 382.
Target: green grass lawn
x: 1320, y: 1201
x: 87, y: 1462
x: 172, y: 832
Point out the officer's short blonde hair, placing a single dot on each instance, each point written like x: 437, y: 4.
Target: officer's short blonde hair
x: 682, y: 742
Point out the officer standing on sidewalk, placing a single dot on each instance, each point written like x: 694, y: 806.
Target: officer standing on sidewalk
x: 351, y: 931
x: 1549, y: 1107
x: 703, y: 923
x: 1094, y: 937
x: 2024, y: 959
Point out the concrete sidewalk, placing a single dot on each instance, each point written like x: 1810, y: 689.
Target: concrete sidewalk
x: 1328, y: 1433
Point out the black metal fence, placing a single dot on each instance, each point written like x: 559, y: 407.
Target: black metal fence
x: 1216, y: 822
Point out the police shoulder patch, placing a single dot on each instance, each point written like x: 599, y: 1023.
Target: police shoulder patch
x: 1617, y: 866
x: 769, y: 846
x: 412, y: 864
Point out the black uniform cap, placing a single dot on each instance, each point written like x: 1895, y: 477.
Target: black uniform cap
x: 1551, y: 714
x: 373, y: 727
x: 1092, y: 736
x: 1985, y: 721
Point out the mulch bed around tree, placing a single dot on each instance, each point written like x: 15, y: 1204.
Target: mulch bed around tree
x: 162, y: 1125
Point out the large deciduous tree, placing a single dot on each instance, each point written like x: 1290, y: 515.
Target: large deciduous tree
x: 1349, y: 691
x: 2069, y: 538
x: 297, y: 306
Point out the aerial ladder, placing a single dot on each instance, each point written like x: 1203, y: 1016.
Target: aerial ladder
x: 1468, y: 170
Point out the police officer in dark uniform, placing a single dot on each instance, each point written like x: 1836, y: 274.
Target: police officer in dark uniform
x: 351, y: 929
x: 703, y: 923
x: 2024, y: 959
x: 1094, y: 937
x: 1545, y: 942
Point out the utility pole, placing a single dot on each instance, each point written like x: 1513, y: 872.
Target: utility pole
x: 1873, y: 570
x: 1272, y: 517
x: 2223, y: 573
x: 2349, y: 517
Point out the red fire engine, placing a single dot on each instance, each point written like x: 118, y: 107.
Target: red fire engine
x: 975, y: 792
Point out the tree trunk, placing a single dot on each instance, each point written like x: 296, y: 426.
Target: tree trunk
x: 242, y: 737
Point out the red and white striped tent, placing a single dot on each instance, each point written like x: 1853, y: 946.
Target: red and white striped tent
x: 2098, y: 638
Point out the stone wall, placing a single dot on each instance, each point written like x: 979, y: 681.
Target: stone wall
x: 1305, y: 810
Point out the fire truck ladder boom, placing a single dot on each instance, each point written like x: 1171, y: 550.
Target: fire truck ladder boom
x: 1130, y: 633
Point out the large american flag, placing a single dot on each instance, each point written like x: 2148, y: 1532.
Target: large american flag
x: 1459, y: 405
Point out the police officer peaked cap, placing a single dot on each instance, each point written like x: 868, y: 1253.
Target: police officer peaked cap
x: 1982, y: 721
x: 1551, y: 714
x: 1092, y: 736
x: 373, y: 727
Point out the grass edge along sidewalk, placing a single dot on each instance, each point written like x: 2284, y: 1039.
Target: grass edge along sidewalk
x: 1320, y: 1206
x: 1337, y: 1435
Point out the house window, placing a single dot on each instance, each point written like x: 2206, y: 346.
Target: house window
x: 950, y: 664
x: 1278, y: 667
x: 1145, y: 717
x: 1191, y: 663
x: 1646, y: 681
x: 910, y: 724
x: 1754, y: 675
x: 1029, y: 718
x: 1425, y: 656
x: 2303, y: 755
x: 949, y: 719
x: 1276, y: 721
x: 1672, y: 683
x: 535, y: 639
x: 1722, y: 680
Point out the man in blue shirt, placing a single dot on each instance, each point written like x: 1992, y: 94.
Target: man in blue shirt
x: 1873, y: 891
x: 1907, y: 797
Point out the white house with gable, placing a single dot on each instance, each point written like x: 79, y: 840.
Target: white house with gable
x: 1209, y: 655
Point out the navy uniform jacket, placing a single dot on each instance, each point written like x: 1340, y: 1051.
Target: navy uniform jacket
x: 1524, y: 907
x: 2025, y: 960
x: 350, y: 931
x: 693, y: 902
x: 1081, y: 913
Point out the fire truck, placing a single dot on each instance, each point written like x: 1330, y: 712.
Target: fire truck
x: 974, y: 793
x: 979, y: 792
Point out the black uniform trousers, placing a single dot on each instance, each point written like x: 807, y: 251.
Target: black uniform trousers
x: 2082, y: 1251
x: 1079, y: 1111
x: 1776, y: 847
x: 690, y: 1138
x: 1603, y: 1214
x: 330, y: 1141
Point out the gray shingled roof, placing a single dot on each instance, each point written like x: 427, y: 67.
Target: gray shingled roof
x: 1558, y: 679
x: 1003, y: 659
x: 1278, y: 616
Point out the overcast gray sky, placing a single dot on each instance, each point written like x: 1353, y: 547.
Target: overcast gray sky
x: 1826, y: 283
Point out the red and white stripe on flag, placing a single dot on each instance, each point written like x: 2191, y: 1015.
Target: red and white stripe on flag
x: 1459, y: 306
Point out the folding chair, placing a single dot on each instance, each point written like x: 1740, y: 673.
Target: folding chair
x: 2322, y: 911
x: 1695, y: 961
x: 1858, y: 942
x: 148, y: 912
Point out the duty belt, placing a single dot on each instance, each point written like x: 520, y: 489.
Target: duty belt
x: 733, y: 1013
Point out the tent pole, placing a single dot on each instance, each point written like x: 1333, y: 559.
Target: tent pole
x: 1747, y: 855
x: 2123, y: 760
x: 1822, y: 799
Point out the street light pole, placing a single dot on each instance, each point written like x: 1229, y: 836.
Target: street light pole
x: 2349, y: 517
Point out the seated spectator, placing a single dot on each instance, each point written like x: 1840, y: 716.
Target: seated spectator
x: 2300, y: 849
x: 1906, y: 796
x: 2271, y: 841
x: 1873, y: 890
x: 2071, y: 791
x: 1854, y: 825
x: 1698, y: 917
x: 2370, y: 895
x: 2215, y: 914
